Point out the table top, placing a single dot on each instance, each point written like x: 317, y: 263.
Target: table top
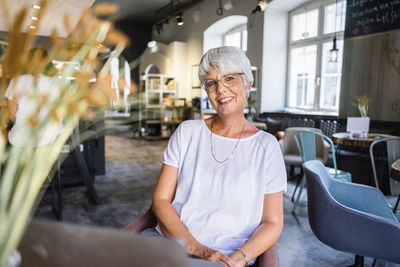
x: 347, y: 140
x: 395, y: 170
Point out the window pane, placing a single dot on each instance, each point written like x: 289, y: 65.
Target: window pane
x: 331, y: 77
x: 329, y: 23
x: 305, y: 25
x: 233, y: 39
x: 302, y: 76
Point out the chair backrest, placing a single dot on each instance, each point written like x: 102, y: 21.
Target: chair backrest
x: 393, y: 153
x: 273, y: 125
x: 306, y: 144
x: 338, y: 223
x: 290, y: 146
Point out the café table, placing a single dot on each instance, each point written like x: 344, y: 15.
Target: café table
x: 394, y: 173
x: 395, y: 170
x: 55, y: 244
x: 345, y: 139
x: 352, y: 155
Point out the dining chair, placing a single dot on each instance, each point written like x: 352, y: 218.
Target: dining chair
x: 393, y: 154
x: 351, y: 217
x: 306, y: 144
x: 291, y: 154
x: 268, y: 259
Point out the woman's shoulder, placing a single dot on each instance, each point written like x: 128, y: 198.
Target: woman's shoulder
x: 267, y: 140
x: 190, y: 125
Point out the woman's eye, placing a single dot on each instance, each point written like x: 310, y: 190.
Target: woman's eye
x: 210, y: 83
x: 229, y: 78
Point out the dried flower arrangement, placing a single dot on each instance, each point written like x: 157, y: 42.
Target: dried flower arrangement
x: 24, y: 171
x: 362, y: 104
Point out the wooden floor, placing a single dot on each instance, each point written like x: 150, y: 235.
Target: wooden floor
x: 132, y: 168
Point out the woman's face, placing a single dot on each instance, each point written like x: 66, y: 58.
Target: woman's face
x: 226, y: 97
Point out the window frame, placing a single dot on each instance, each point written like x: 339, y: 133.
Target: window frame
x: 241, y: 28
x: 319, y: 40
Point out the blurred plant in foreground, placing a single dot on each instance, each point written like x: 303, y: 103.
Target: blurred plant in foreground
x: 82, y: 94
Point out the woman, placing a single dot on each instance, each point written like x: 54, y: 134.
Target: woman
x: 221, y: 183
x: 22, y: 105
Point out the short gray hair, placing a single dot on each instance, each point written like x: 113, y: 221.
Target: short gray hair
x: 226, y: 59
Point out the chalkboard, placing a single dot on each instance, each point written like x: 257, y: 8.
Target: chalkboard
x: 371, y: 16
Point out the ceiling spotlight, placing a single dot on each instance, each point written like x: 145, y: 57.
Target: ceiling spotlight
x: 179, y: 19
x: 34, y: 18
x: 151, y: 44
x: 261, y: 6
x: 35, y: 6
x: 159, y: 28
x: 32, y: 27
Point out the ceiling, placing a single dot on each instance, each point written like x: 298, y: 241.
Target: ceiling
x: 145, y: 11
x: 149, y: 11
x: 53, y: 17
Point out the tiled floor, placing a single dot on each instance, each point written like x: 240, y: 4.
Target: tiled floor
x: 132, y: 167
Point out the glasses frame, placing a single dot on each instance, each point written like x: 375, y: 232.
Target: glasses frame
x: 204, y: 86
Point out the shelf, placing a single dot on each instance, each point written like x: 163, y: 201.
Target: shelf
x: 159, y: 89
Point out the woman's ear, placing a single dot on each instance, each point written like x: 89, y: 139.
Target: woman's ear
x: 247, y: 89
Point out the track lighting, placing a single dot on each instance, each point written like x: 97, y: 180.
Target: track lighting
x: 261, y: 6
x: 159, y: 28
x: 179, y: 19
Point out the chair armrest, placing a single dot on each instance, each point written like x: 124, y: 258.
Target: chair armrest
x: 326, y: 150
x: 147, y: 220
x: 362, y: 197
x: 269, y: 258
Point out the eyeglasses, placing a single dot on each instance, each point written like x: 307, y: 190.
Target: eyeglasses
x: 228, y: 80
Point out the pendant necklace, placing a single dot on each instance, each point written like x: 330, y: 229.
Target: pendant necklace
x: 212, y: 150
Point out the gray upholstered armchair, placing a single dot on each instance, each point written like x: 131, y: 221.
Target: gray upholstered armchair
x: 351, y: 217
x: 268, y: 259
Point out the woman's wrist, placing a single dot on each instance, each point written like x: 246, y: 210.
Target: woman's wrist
x: 193, y: 248
x: 238, y: 258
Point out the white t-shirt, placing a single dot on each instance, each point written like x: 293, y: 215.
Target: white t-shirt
x: 21, y: 89
x: 221, y: 204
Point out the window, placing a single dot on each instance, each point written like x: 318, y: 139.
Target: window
x: 314, y: 81
x: 237, y: 37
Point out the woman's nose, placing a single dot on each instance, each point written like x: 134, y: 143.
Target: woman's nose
x: 220, y: 88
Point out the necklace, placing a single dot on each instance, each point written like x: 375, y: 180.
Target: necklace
x: 212, y: 150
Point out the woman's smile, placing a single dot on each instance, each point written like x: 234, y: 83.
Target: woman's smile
x: 225, y: 100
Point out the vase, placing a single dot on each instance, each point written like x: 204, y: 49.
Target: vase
x: 14, y: 260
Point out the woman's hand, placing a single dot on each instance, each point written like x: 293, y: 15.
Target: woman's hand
x: 238, y: 259
x: 210, y: 254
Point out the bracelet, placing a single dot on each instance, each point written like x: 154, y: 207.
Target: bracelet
x: 244, y: 256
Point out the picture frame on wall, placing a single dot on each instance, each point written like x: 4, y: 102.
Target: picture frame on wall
x: 254, y: 71
x: 195, y: 76
x: 3, y: 47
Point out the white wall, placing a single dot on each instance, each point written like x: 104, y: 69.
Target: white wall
x: 177, y: 53
x: 273, y: 75
x: 158, y: 56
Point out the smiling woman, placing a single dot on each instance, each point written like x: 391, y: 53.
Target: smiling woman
x: 220, y: 187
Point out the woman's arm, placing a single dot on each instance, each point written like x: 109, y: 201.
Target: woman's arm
x: 171, y: 224
x: 267, y: 233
